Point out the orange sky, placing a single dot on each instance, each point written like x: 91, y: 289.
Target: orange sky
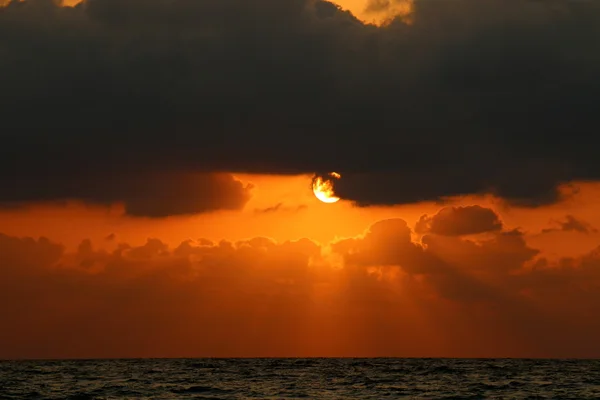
x: 284, y: 208
x: 353, y: 281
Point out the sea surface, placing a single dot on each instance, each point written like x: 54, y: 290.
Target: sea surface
x: 378, y: 378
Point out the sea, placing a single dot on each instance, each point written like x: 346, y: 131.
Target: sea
x: 296, y: 378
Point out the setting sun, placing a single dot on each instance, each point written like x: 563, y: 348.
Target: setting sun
x: 323, y: 187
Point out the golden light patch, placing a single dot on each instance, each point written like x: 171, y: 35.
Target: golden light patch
x: 380, y: 12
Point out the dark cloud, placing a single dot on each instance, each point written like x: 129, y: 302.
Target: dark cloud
x: 475, y: 96
x: 457, y: 221
x: 271, y: 209
x: 571, y: 224
x: 144, y: 195
x: 279, y: 207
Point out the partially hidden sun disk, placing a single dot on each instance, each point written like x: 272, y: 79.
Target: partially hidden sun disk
x: 323, y: 187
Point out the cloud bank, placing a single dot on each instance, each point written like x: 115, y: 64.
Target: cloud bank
x: 378, y: 294
x: 473, y: 96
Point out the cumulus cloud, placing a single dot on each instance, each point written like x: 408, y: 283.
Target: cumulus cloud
x: 252, y: 297
x: 194, y: 299
x: 457, y: 221
x: 492, y: 296
x: 460, y: 101
x: 501, y: 283
x: 571, y: 224
x: 386, y: 243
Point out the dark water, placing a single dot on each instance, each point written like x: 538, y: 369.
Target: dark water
x: 300, y: 378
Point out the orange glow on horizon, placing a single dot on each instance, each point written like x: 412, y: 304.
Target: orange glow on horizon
x: 294, y: 274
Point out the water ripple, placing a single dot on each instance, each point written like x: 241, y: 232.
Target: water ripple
x: 300, y: 379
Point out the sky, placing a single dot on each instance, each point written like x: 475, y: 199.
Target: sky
x: 157, y: 160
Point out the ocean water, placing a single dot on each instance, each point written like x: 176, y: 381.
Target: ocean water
x: 378, y: 378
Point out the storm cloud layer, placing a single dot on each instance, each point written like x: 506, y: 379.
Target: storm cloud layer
x: 473, y: 96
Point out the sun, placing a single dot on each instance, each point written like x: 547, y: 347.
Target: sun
x: 322, y: 186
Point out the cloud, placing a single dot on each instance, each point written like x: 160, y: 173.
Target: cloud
x: 150, y: 299
x: 458, y: 102
x: 386, y: 243
x: 143, y: 194
x: 506, y: 290
x: 377, y: 6
x: 387, y: 10
x: 493, y: 296
x: 271, y: 209
x: 457, y: 221
x: 279, y: 207
x: 571, y: 224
